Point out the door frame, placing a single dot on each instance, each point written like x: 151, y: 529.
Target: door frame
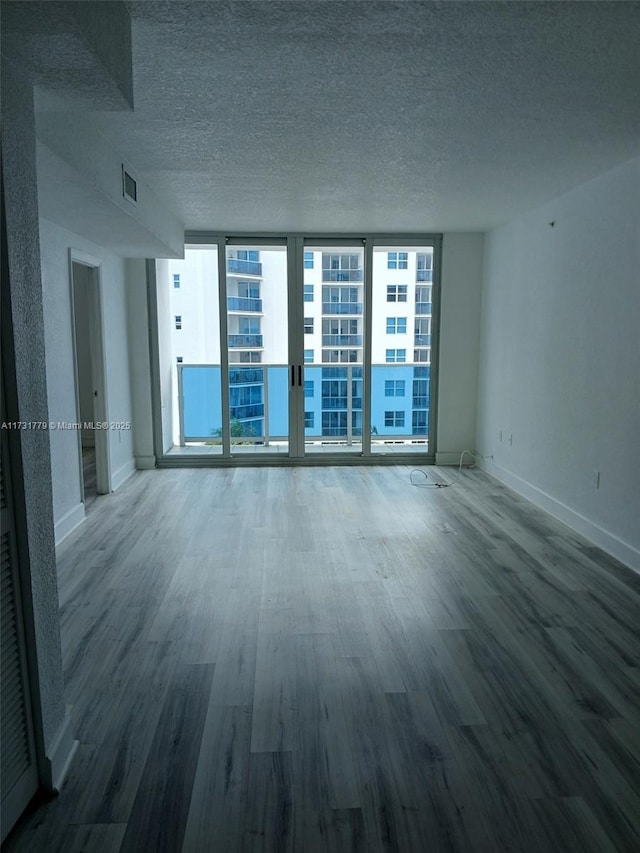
x: 98, y: 368
x: 295, y: 242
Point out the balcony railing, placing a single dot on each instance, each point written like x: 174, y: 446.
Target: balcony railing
x: 259, y: 407
x: 235, y: 265
x: 424, y: 307
x: 341, y: 403
x: 342, y: 307
x: 246, y: 375
x: 341, y: 275
x: 255, y: 410
x: 424, y: 275
x: 245, y: 341
x: 244, y: 303
x: 342, y: 340
x: 422, y: 340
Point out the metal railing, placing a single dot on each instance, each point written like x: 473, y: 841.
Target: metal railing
x: 235, y: 265
x: 244, y: 303
x: 342, y: 340
x: 342, y: 275
x: 342, y: 307
x: 245, y: 341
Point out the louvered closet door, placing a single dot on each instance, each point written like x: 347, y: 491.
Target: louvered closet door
x: 19, y: 777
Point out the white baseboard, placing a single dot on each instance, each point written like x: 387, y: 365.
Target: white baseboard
x: 452, y: 457
x: 122, y: 474
x: 60, y: 755
x: 614, y: 546
x: 144, y: 463
x: 69, y: 521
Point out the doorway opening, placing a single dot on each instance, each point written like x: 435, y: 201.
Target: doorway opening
x: 90, y: 382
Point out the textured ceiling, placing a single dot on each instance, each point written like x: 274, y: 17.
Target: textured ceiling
x: 383, y: 116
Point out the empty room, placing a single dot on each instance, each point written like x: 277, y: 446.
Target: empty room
x: 320, y: 426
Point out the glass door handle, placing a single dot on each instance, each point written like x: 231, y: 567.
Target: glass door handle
x: 300, y: 375
x: 293, y: 376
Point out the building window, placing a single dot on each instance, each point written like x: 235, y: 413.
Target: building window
x: 422, y: 356
x: 337, y: 356
x: 246, y: 254
x: 176, y: 280
x: 420, y: 423
x: 394, y: 419
x: 341, y: 267
x: 249, y: 290
x: 179, y: 360
x: 397, y: 260
x: 309, y: 419
x: 423, y: 298
x: 394, y: 388
x: 249, y: 326
x: 308, y: 260
x: 308, y: 293
x: 308, y: 325
x: 396, y: 293
x: 420, y: 394
x: 249, y: 357
x: 178, y: 321
x: 308, y: 356
x: 396, y: 325
x: 424, y: 265
x: 396, y: 355
x: 334, y: 423
x: 309, y: 388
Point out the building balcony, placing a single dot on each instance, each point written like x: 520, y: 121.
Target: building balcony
x: 341, y: 403
x: 342, y: 275
x: 424, y: 308
x: 424, y: 275
x: 420, y: 401
x: 245, y: 341
x: 246, y: 376
x: 422, y: 340
x: 240, y: 413
x: 342, y: 340
x: 342, y: 307
x: 244, y: 304
x: 239, y: 267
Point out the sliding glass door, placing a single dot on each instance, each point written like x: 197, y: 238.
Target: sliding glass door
x: 257, y: 348
x: 303, y: 348
x: 401, y: 348
x: 333, y: 331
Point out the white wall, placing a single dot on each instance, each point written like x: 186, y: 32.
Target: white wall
x: 83, y: 350
x: 55, y: 243
x: 138, y: 319
x: 461, y: 289
x: 560, y: 358
x: 168, y: 390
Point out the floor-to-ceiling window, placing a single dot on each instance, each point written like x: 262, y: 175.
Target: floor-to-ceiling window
x: 302, y: 348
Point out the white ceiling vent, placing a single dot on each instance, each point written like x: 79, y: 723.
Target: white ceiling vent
x: 129, y: 185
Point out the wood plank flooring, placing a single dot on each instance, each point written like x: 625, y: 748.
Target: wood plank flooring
x: 330, y: 659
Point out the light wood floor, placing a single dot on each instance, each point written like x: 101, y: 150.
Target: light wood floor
x: 333, y: 660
